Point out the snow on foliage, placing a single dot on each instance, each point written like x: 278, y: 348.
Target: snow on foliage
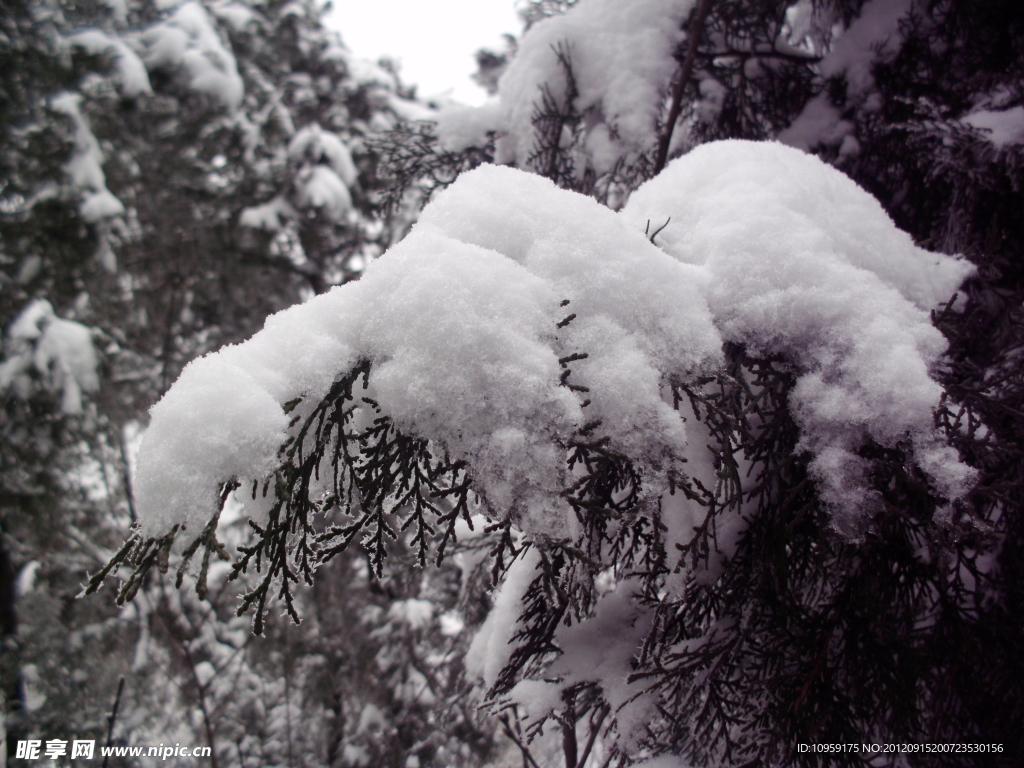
x: 874, y: 36
x: 802, y: 262
x: 188, y: 40
x: 621, y: 56
x: 324, y: 174
x: 267, y: 216
x: 85, y: 169
x: 492, y: 644
x: 315, y: 146
x: 1003, y: 127
x: 60, y: 351
x: 132, y: 77
x: 467, y: 324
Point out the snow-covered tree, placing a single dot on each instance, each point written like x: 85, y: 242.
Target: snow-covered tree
x: 918, y: 101
x: 140, y: 141
x: 736, y: 488
x: 635, y: 423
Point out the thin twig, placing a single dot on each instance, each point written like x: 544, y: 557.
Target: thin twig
x: 112, y: 719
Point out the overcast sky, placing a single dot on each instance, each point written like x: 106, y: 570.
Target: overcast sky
x: 434, y: 41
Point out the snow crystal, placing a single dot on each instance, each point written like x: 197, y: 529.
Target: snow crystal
x: 61, y: 351
x: 188, y: 39
x: 131, y: 72
x: 803, y: 262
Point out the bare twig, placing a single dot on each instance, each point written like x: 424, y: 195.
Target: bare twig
x: 112, y: 719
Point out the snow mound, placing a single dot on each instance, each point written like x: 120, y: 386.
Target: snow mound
x: 188, y: 40
x: 515, y: 313
x: 460, y: 322
x: 803, y: 262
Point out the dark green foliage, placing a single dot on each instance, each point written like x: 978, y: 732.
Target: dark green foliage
x: 383, y: 481
x: 410, y: 159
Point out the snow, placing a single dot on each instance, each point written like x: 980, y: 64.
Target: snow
x: 409, y: 110
x: 188, y: 40
x: 236, y: 15
x: 1004, y: 127
x: 872, y: 37
x: 622, y: 62
x: 492, y: 645
x: 459, y: 321
x: 131, y: 72
x: 61, y: 351
x: 802, y: 262
x: 321, y: 188
x: 100, y: 205
x: 118, y: 9
x: 315, y: 146
x: 324, y: 174
x: 622, y: 59
x: 415, y: 613
x: 460, y: 127
x: 766, y: 246
x: 85, y: 168
x: 26, y: 579
x: 267, y: 216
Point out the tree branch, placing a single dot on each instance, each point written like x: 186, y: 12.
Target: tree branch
x: 696, y: 32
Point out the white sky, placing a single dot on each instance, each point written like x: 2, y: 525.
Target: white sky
x: 434, y: 41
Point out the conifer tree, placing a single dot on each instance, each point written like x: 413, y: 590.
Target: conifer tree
x: 820, y: 559
x: 131, y: 174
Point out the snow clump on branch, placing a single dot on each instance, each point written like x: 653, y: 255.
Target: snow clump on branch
x: 621, y: 59
x: 802, y: 262
x: 188, y: 40
x: 467, y: 331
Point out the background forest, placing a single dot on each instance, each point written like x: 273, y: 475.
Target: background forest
x: 173, y: 173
